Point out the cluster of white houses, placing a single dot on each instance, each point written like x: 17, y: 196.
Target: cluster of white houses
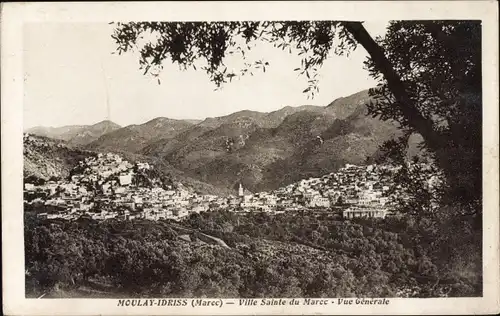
x: 107, y: 186
x: 360, y: 191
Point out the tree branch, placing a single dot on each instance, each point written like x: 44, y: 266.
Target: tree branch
x: 410, y: 112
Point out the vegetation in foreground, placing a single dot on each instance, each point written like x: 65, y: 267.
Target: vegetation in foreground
x: 434, y: 250
x: 287, y: 255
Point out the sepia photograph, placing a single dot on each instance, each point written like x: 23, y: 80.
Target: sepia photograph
x: 181, y: 163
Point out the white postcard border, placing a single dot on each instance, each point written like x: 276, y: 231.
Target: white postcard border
x: 14, y: 15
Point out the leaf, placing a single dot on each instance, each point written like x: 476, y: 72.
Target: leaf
x: 159, y: 81
x: 296, y: 69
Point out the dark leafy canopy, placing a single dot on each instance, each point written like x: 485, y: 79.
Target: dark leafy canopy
x: 287, y: 255
x: 429, y: 74
x: 190, y: 44
x: 440, y: 65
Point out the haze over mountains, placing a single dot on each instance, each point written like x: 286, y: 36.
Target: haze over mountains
x: 76, y: 134
x: 261, y: 150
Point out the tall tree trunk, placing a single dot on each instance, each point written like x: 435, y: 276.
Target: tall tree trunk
x: 464, y: 174
x: 410, y: 112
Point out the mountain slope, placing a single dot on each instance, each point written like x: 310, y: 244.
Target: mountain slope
x: 344, y: 107
x: 45, y: 158
x: 76, y: 134
x: 133, y: 138
x: 162, y: 147
x: 266, y: 150
x: 260, y: 150
x: 63, y: 133
x: 93, y: 132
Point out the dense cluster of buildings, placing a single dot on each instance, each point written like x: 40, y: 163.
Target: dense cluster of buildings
x: 106, y: 186
x: 357, y: 190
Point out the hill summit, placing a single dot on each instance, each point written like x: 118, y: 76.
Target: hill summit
x: 76, y: 134
x: 261, y: 150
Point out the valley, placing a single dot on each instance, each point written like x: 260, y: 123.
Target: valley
x: 252, y: 148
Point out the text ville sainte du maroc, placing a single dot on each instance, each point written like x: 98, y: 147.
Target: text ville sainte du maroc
x: 313, y: 301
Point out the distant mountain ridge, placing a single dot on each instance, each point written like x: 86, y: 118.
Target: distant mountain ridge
x: 260, y: 150
x: 133, y: 138
x: 46, y: 158
x: 266, y: 150
x: 77, y: 135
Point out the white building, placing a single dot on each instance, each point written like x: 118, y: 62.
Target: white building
x: 318, y: 201
x: 354, y: 212
x: 105, y: 187
x: 143, y: 165
x: 125, y: 179
x: 119, y: 190
x: 137, y: 199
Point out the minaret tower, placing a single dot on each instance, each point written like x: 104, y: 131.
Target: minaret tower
x: 240, y: 191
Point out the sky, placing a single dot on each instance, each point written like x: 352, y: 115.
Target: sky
x: 71, y: 77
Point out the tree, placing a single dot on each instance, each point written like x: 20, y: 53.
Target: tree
x: 424, y: 81
x: 439, y: 63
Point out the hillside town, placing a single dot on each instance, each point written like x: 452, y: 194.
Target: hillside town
x: 107, y: 186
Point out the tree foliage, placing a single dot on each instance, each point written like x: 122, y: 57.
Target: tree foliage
x: 208, y: 44
x: 429, y: 74
x: 439, y: 63
x: 270, y: 256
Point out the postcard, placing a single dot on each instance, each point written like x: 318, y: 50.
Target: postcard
x: 250, y: 158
